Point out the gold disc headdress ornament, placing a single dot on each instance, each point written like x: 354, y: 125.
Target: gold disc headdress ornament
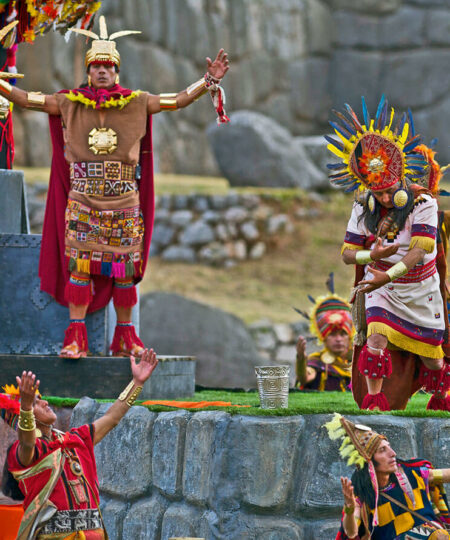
x: 103, y: 48
x: 374, y: 154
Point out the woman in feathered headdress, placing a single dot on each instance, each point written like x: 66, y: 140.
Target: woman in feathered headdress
x: 392, y: 238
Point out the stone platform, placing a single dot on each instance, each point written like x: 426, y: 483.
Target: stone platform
x: 218, y: 476
x: 102, y: 377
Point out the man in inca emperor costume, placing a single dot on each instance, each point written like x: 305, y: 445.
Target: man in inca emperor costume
x: 99, y: 214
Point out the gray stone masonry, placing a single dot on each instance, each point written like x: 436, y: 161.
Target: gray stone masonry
x: 216, y: 476
x: 291, y: 61
x: 211, y: 229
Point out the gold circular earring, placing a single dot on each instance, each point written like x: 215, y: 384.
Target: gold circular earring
x: 117, y: 79
x: 371, y: 203
x: 400, y: 198
x: 89, y: 80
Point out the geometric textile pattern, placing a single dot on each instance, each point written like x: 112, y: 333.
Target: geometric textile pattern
x: 104, y: 227
x: 104, y: 179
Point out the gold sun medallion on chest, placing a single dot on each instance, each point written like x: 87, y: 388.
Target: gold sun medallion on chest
x: 102, y: 140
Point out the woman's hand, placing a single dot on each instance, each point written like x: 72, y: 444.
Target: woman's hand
x: 379, y: 279
x: 379, y: 251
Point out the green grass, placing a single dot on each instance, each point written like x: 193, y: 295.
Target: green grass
x: 300, y: 403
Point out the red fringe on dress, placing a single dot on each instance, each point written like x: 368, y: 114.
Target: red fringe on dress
x: 375, y: 366
x: 76, y: 331
x: 124, y: 296
x: 379, y: 400
x: 439, y: 403
x: 79, y: 295
x: 431, y: 379
x: 125, y: 338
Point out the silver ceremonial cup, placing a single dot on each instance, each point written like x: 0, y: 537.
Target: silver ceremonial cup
x: 273, y: 386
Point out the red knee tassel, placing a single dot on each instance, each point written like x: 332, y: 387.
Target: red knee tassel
x: 76, y: 331
x: 437, y: 403
x: 125, y: 338
x: 375, y: 366
x: 431, y: 379
x: 374, y: 401
x: 79, y: 295
x: 125, y: 296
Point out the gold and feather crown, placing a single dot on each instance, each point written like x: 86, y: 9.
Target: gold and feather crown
x: 103, y: 48
x: 359, y: 442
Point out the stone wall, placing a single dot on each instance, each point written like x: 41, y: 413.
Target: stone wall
x: 216, y: 476
x: 221, y: 229
x: 210, y: 229
x: 292, y: 60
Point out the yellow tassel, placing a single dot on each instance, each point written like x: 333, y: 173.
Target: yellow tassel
x: 353, y: 457
x: 83, y: 265
x: 422, y: 242
x: 334, y: 423
x: 345, y: 442
x: 347, y: 451
x: 350, y: 246
x: 404, y: 342
x: 360, y: 462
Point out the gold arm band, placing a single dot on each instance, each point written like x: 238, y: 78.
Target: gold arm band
x: 194, y: 88
x: 5, y: 86
x: 168, y: 104
x: 438, y: 476
x: 168, y: 96
x: 26, y: 420
x: 363, y: 257
x: 129, y: 395
x: 36, y: 99
x: 396, y: 271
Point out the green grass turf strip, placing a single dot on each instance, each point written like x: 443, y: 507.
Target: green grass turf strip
x: 300, y: 403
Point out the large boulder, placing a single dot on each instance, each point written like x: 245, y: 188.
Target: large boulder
x: 225, y: 351
x: 254, y: 150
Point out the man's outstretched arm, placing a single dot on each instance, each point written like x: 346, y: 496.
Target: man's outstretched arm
x: 141, y: 372
x: 29, y: 100
x: 440, y: 476
x: 170, y: 102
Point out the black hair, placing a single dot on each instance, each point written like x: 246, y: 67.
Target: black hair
x: 362, y: 484
x: 399, y: 215
x: 10, y: 487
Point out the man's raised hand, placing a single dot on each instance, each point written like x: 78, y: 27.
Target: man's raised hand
x: 142, y: 371
x: 28, y: 385
x: 220, y: 66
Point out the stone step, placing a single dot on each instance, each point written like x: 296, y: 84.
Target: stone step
x: 101, y: 377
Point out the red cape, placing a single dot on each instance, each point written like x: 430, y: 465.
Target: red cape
x: 53, y: 269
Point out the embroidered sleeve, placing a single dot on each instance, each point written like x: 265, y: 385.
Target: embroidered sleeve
x: 13, y: 461
x: 355, y: 235
x: 424, y: 226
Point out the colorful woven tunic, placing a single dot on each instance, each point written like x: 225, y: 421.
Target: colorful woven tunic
x: 71, y: 497
x: 409, y: 311
x: 99, y: 213
x: 396, y: 523
x: 104, y: 225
